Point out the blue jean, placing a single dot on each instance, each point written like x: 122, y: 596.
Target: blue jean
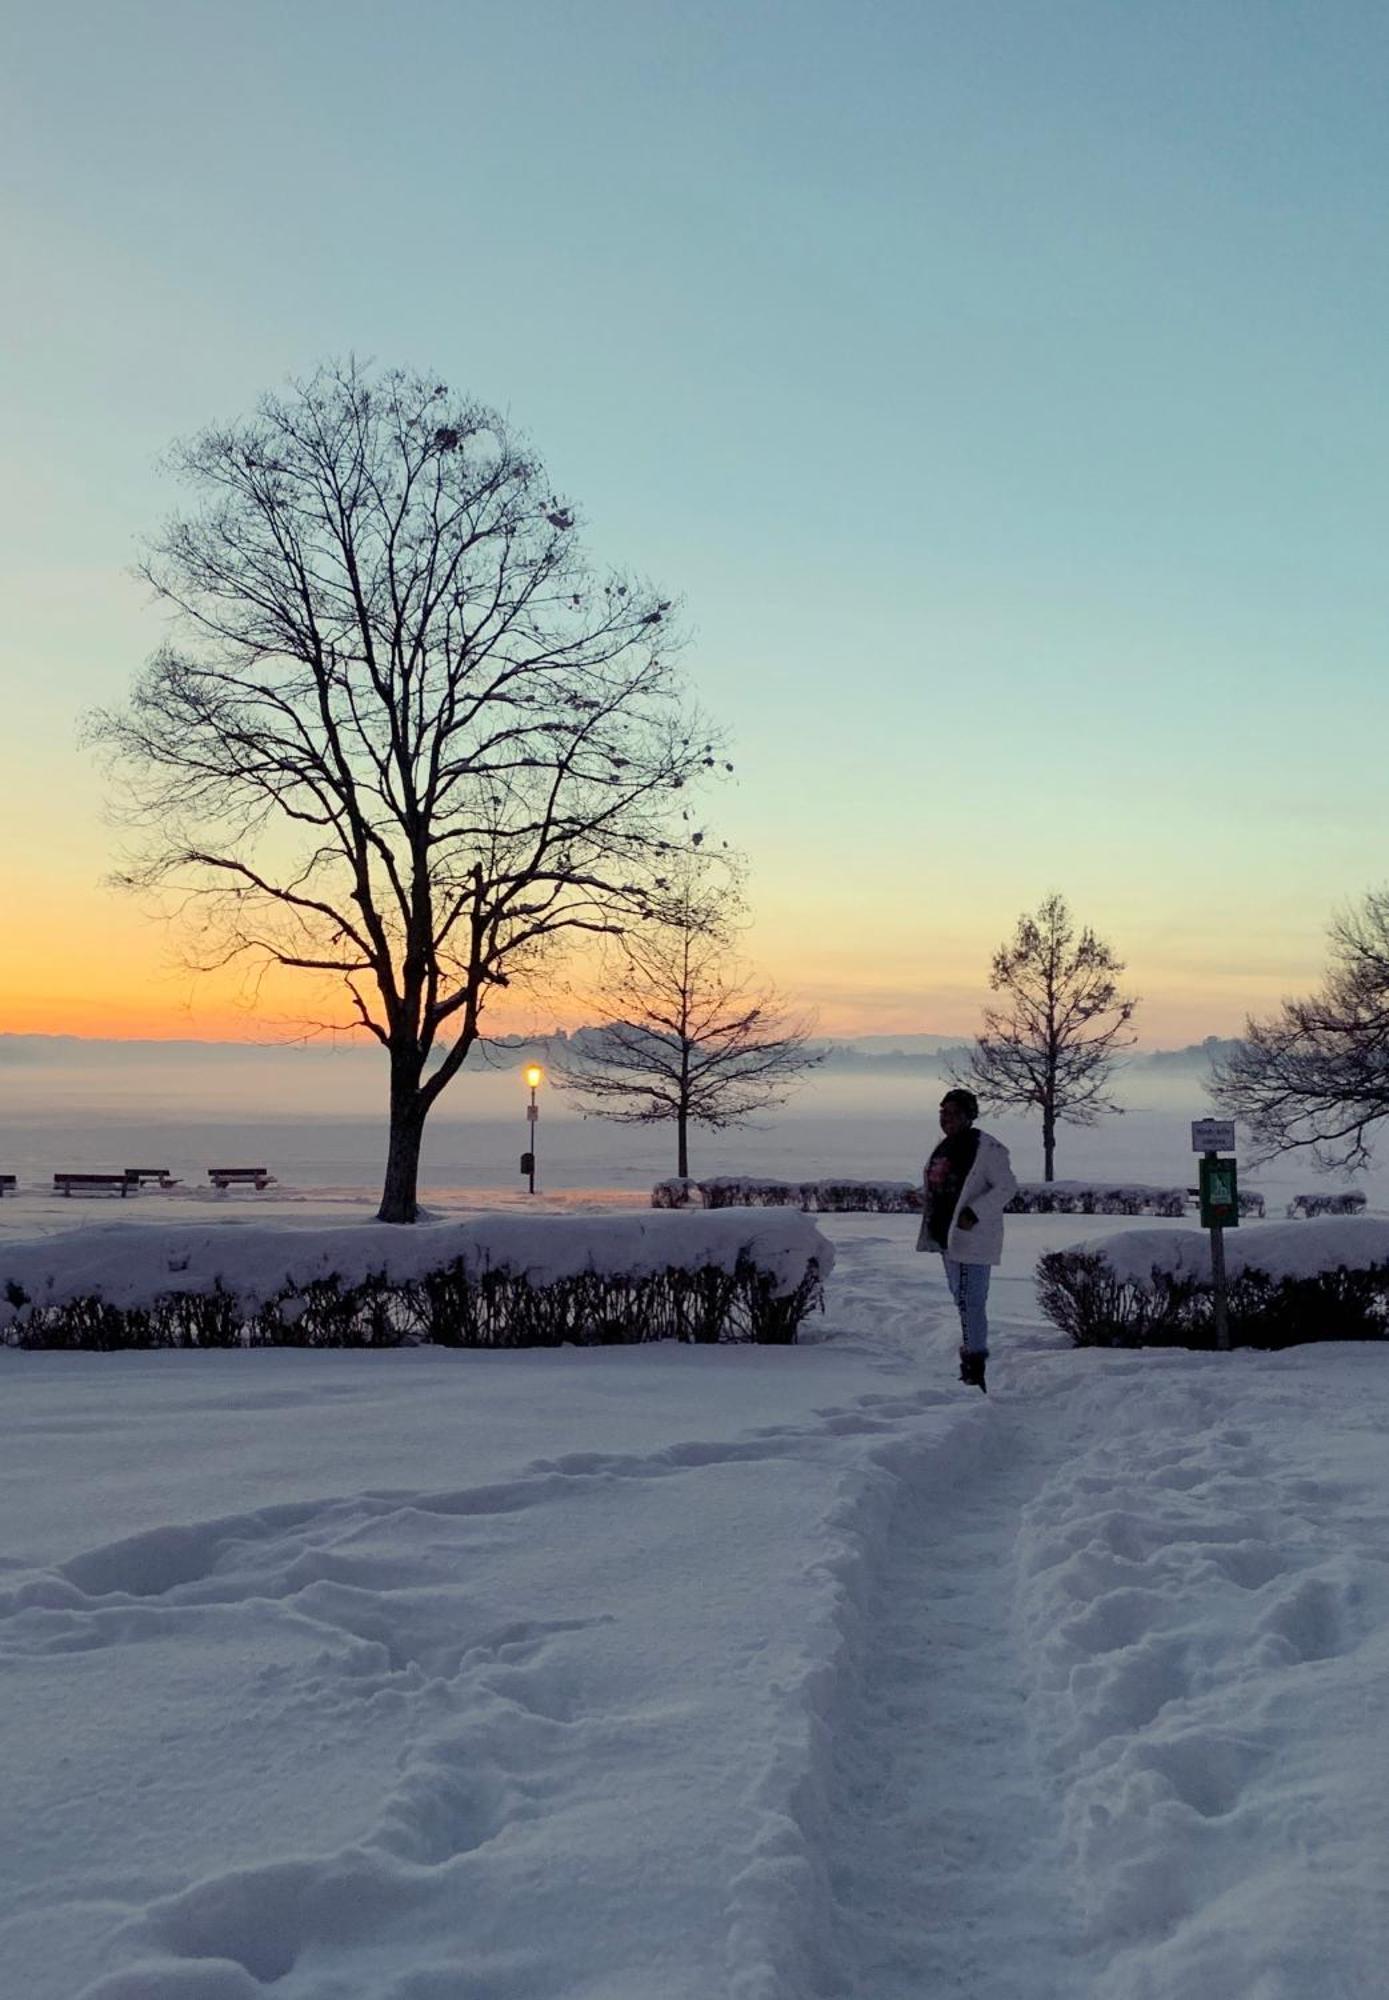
x: 969, y: 1287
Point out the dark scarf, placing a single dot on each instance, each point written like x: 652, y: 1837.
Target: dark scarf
x: 946, y: 1173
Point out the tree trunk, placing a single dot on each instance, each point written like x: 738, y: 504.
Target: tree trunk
x: 1048, y: 1146
x: 682, y: 1140
x: 399, y: 1195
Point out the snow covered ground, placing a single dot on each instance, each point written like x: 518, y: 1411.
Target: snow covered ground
x: 777, y: 1674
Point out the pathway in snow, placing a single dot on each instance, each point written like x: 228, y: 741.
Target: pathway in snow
x: 943, y: 1851
x: 1112, y: 1723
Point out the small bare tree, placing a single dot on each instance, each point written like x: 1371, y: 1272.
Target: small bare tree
x: 406, y: 740
x: 1053, y: 1045
x: 1317, y: 1075
x: 687, y: 1035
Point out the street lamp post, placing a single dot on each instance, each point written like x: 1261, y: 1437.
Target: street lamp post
x: 535, y: 1076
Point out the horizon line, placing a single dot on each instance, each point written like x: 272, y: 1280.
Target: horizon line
x: 337, y: 1044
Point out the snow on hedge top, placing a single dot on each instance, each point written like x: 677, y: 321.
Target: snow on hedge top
x: 128, y: 1266
x: 1287, y: 1250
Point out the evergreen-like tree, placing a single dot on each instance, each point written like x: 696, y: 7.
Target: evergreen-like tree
x: 1052, y: 1043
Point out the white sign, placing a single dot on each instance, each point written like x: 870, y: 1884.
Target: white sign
x: 1212, y: 1135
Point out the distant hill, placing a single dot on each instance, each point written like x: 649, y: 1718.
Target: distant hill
x: 922, y: 1053
x: 933, y: 1054
x: 1197, y: 1056
x: 894, y: 1045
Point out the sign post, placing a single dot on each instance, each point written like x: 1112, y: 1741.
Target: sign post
x: 1219, y: 1191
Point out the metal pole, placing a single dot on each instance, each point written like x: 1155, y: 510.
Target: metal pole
x: 531, y: 1122
x: 1222, y: 1318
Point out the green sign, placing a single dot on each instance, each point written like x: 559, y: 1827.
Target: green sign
x: 1219, y: 1194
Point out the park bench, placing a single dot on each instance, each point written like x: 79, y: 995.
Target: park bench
x: 224, y: 1177
x: 94, y: 1184
x: 8, y: 1184
x: 160, y: 1176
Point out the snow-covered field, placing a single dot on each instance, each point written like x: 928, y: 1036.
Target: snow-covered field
x: 678, y: 1672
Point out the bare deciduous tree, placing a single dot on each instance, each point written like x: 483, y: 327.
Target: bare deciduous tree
x: 687, y: 1036
x: 1317, y: 1075
x: 1053, y: 1045
x: 406, y: 736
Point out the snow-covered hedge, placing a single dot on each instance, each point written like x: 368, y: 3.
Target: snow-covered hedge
x: 828, y: 1197
x: 1114, y: 1198
x: 1096, y: 1198
x: 1350, y: 1203
x: 676, y: 1193
x: 1325, y: 1280
x: 496, y: 1281
x: 843, y: 1197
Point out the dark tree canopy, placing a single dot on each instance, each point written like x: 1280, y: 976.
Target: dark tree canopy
x: 1052, y: 1044
x: 405, y: 738
x: 1317, y: 1075
x: 687, y: 1035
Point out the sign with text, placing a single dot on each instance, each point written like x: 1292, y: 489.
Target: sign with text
x: 1212, y: 1135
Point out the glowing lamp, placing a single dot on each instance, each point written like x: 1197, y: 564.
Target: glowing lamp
x: 534, y: 1075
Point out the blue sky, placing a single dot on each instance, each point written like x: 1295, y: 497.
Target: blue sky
x: 1001, y: 386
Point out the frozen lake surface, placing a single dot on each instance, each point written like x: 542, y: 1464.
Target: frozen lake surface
x: 315, y: 1117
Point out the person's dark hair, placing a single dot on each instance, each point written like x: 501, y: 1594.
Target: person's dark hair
x: 963, y: 1100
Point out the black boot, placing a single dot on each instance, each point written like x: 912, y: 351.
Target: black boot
x: 972, y: 1368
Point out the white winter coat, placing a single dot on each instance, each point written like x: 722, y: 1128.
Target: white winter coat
x: 989, y: 1186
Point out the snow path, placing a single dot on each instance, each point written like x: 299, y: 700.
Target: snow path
x: 941, y: 1866
x: 943, y: 1861
x: 1112, y: 1726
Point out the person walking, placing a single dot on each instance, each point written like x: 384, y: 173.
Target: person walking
x: 968, y: 1182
